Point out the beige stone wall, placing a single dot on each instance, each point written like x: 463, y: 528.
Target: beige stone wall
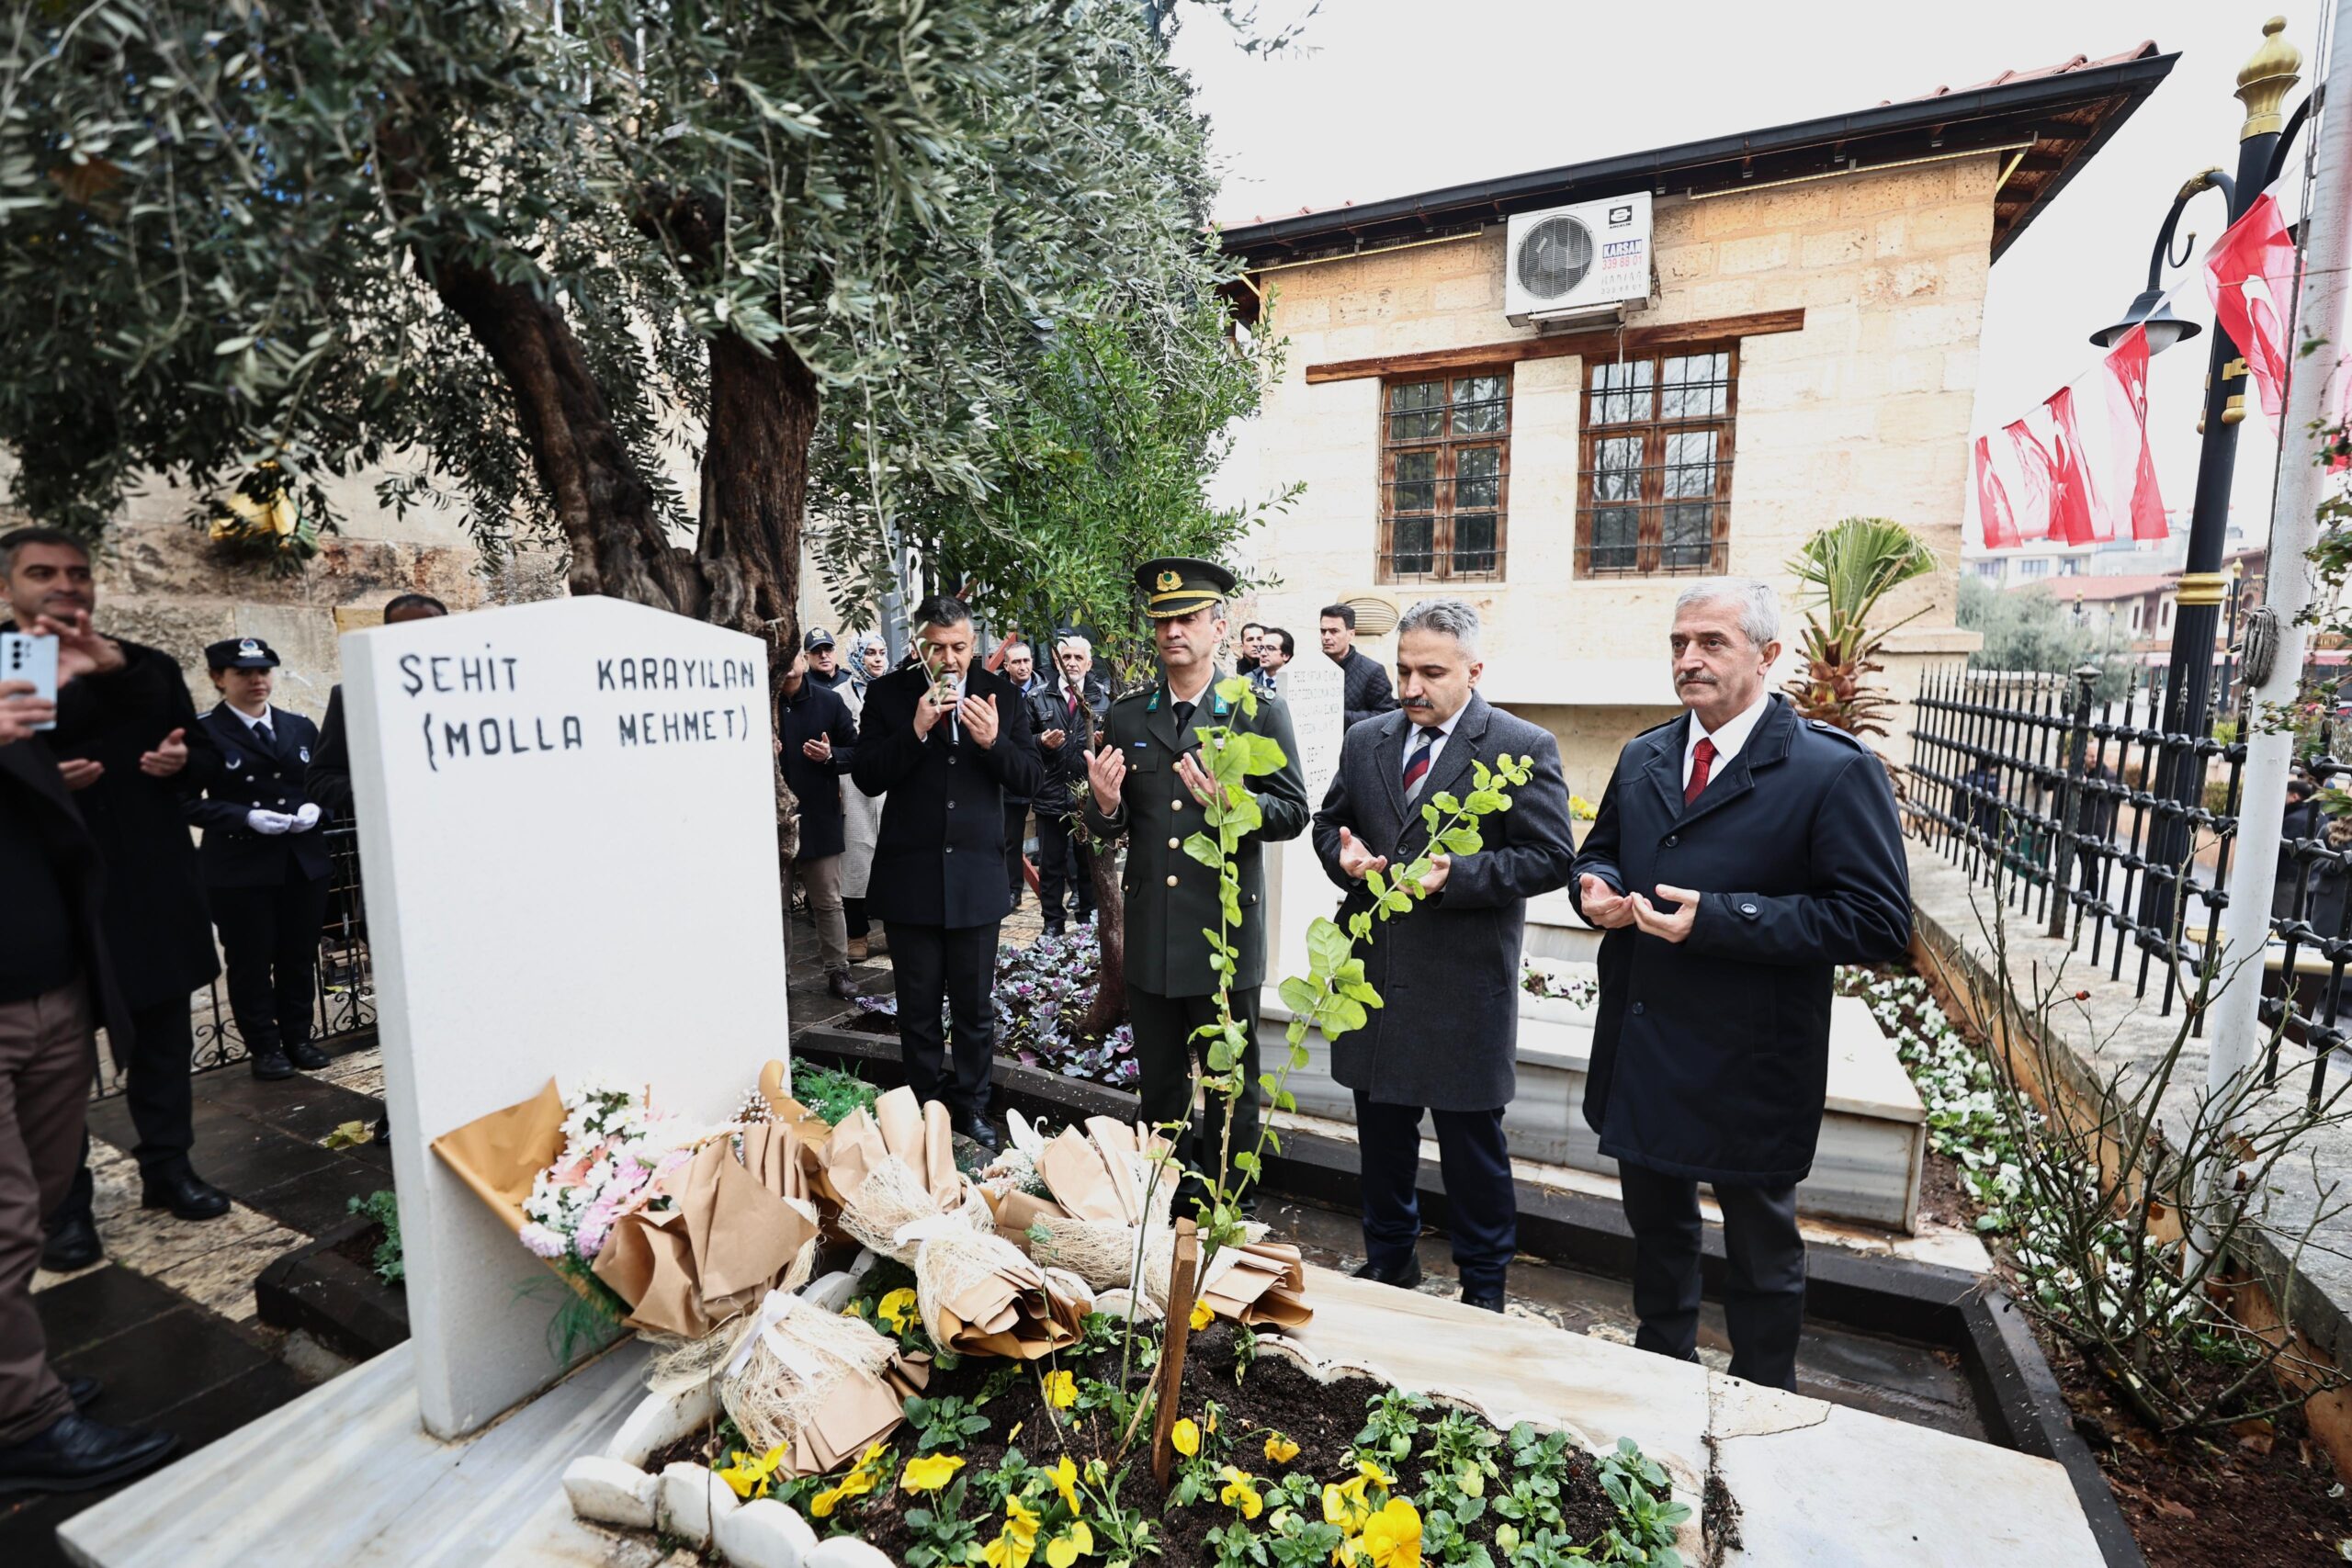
x: 1865, y: 411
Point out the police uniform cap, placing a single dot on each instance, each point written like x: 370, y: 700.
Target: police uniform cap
x: 240, y: 653
x: 1178, y: 585
x: 819, y: 639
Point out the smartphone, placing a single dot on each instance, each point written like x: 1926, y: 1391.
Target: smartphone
x: 24, y: 657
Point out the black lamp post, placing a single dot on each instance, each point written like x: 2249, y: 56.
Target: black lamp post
x: 2264, y: 83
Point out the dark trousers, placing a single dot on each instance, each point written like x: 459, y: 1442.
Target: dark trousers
x: 45, y: 1065
x: 1763, y: 1277
x: 1016, y: 831
x: 1165, y: 1053
x: 1065, y: 865
x: 853, y: 916
x: 157, y: 1088
x: 957, y: 965
x: 1482, y: 1210
x: 269, y: 944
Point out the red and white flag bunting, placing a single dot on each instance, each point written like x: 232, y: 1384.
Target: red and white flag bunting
x: 2127, y: 418
x: 2250, y: 274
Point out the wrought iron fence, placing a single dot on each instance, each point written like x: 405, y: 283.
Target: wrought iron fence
x: 2085, y: 816
x: 343, y: 999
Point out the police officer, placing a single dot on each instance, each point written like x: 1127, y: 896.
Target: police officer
x: 264, y: 865
x: 1146, y: 782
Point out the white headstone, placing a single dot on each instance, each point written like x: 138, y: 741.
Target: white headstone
x: 1314, y: 689
x: 567, y: 829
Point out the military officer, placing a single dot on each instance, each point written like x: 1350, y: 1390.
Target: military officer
x: 264, y: 866
x: 1146, y: 782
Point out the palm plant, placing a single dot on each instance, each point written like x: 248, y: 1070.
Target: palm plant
x: 1846, y: 569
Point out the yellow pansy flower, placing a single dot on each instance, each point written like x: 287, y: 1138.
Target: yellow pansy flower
x: 1369, y: 1474
x: 897, y: 1310
x: 1017, y: 1542
x: 929, y: 1472
x: 1344, y: 1505
x: 1392, y: 1538
x: 1061, y: 1389
x: 1064, y: 1475
x: 1278, y: 1448
x: 1200, y: 1316
x: 1069, y: 1546
x: 750, y: 1476
x: 1186, y: 1437
x: 856, y: 1483
x: 1239, y: 1493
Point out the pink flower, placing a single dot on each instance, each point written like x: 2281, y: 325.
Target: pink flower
x: 542, y: 1241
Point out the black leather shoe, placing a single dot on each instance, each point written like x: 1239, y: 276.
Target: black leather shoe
x: 842, y: 988
x: 307, y: 1056
x: 1403, y: 1278
x: 187, y: 1195
x: 1484, y: 1303
x: 84, y: 1392
x: 271, y: 1066
x: 76, y: 1454
x: 977, y: 1128
x: 74, y: 1245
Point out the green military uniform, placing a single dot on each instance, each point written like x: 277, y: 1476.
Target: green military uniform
x: 1172, y: 897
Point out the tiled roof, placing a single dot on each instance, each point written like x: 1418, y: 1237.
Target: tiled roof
x: 2079, y: 62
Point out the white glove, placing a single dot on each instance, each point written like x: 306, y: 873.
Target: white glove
x: 308, y: 818
x: 269, y: 822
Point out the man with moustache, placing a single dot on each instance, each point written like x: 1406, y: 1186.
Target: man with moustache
x: 1445, y: 1039
x: 1740, y: 854
x: 947, y: 741
x: 1146, y: 783
x: 129, y: 747
x: 1064, y: 716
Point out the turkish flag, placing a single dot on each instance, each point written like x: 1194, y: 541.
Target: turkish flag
x: 1995, y: 518
x: 2033, y: 516
x: 2075, y: 512
x: 2127, y: 411
x: 2250, y: 273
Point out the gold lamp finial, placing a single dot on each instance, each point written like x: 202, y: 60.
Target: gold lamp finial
x: 2265, y: 81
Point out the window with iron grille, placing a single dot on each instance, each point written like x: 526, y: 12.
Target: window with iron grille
x: 1654, y: 492
x: 1444, y: 475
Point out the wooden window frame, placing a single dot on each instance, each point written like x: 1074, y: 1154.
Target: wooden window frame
x: 1653, y: 431
x: 1448, y: 445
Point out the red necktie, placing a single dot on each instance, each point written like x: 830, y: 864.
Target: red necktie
x: 1703, y: 757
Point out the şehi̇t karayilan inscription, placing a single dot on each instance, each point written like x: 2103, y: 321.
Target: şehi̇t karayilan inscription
x: 512, y: 733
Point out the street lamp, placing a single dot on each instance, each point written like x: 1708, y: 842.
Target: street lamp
x: 2264, y: 83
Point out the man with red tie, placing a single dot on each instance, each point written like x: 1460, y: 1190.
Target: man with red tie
x: 1740, y: 854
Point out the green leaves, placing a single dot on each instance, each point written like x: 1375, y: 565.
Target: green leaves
x: 1205, y: 850
x: 1327, y: 945
x: 1462, y: 840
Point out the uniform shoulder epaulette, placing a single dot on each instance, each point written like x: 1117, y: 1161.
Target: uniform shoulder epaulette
x: 1132, y: 692
x: 1826, y: 727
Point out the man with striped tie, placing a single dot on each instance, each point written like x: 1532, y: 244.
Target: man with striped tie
x: 1445, y: 1041
x: 1710, y: 1045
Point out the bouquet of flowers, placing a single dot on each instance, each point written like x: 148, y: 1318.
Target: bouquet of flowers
x: 616, y: 1151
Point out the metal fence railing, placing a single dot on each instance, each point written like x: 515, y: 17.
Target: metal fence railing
x: 2087, y: 818
x: 343, y: 1000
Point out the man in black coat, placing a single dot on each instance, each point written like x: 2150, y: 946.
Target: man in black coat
x: 265, y: 865
x: 1364, y: 684
x: 816, y: 741
x: 1064, y: 715
x: 1445, y: 1038
x: 328, y: 781
x: 1740, y: 854
x: 947, y: 741
x: 55, y: 990
x: 128, y: 746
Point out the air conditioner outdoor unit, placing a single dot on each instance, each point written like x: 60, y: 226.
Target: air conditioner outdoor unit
x: 1585, y: 260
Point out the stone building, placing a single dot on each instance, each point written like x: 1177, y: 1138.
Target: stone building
x: 1805, y: 350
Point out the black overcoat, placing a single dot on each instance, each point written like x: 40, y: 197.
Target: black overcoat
x: 33, y: 786
x: 328, y: 780
x: 1049, y: 708
x: 817, y: 710
x: 1711, y: 1057
x: 158, y: 926
x: 257, y: 777
x: 939, y: 855
x: 1447, y: 1035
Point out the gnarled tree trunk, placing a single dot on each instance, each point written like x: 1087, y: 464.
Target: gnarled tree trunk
x: 755, y: 489
x: 1109, y: 1007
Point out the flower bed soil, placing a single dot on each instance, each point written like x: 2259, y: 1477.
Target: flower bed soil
x: 2260, y: 1493
x: 1272, y: 1395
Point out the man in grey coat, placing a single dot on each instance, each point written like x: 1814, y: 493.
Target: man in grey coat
x: 1446, y: 1038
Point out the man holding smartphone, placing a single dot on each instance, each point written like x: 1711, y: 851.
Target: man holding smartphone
x: 129, y: 747
x: 948, y: 740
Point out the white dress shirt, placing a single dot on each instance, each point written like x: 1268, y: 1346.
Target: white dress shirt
x: 1728, y: 739
x: 254, y: 723
x: 1437, y: 746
